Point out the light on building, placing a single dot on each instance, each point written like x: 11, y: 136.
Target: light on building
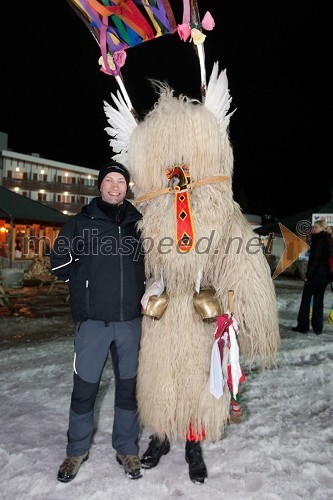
x: 3, y: 229
x: 16, y: 189
x: 89, y: 176
x: 42, y: 171
x: 66, y: 174
x: 42, y: 190
x: 17, y: 169
x: 64, y: 212
x: 65, y: 193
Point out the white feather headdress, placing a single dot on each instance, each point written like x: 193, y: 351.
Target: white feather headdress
x: 218, y: 97
x: 122, y: 122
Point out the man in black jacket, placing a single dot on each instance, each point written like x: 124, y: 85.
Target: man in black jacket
x: 98, y: 252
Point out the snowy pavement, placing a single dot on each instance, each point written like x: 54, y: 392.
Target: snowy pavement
x: 281, y: 450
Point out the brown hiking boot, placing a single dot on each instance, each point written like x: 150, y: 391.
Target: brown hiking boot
x: 131, y: 464
x: 70, y: 467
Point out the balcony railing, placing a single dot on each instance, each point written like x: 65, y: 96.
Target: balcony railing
x: 72, y: 208
x: 50, y: 187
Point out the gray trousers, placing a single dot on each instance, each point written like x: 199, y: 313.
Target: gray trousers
x: 93, y: 341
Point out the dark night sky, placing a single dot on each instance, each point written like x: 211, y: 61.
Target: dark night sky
x: 277, y: 58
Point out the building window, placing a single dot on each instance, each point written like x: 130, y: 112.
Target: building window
x: 65, y: 198
x: 65, y: 179
x: 40, y: 177
x: 88, y: 182
x: 17, y: 174
x: 41, y: 197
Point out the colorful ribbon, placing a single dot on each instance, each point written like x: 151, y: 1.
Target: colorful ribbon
x: 120, y: 24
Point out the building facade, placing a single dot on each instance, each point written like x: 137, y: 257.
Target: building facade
x: 62, y: 186
x: 27, y: 230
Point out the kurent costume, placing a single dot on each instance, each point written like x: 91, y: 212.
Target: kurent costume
x: 99, y: 253
x: 196, y: 238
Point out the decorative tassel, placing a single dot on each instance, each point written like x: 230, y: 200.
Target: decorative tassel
x: 225, y: 338
x: 195, y: 435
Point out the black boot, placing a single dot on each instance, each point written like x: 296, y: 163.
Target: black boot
x: 196, y: 465
x: 298, y: 329
x: 155, y: 450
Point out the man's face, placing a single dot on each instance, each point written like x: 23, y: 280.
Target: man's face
x: 113, y: 188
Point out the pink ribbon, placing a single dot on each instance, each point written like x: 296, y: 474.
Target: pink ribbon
x: 208, y: 22
x: 184, y: 29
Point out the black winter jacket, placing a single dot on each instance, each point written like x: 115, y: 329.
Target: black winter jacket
x: 318, y: 265
x: 103, y: 263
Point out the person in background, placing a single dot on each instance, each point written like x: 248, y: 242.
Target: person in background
x: 18, y: 249
x: 318, y: 276
x: 32, y: 250
x: 98, y: 251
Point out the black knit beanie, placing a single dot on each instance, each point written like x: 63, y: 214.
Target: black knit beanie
x: 113, y: 166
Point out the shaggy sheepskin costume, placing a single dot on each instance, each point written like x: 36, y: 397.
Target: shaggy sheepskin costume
x: 173, y: 386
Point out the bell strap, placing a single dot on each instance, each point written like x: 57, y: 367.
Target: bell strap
x: 191, y: 185
x: 184, y: 224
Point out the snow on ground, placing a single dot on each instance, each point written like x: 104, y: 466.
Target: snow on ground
x: 281, y: 450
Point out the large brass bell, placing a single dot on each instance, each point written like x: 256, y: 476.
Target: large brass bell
x: 156, y: 306
x: 207, y: 304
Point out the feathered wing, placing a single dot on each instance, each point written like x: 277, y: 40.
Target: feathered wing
x: 122, y: 124
x: 218, y: 98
